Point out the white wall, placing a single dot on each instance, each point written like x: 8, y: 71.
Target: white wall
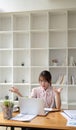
x: 23, y: 5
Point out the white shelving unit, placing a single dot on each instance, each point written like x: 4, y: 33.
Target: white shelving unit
x: 34, y: 41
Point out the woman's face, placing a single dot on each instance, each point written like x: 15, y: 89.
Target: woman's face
x: 44, y: 83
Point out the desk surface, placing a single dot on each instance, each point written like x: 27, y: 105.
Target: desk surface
x: 54, y: 120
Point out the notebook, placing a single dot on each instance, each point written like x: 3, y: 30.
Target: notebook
x: 30, y: 108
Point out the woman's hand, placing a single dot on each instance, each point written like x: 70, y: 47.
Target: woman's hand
x: 15, y: 90
x: 57, y: 90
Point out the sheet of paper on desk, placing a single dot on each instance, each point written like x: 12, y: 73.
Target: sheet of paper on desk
x: 70, y: 113
x: 23, y: 117
x: 71, y: 122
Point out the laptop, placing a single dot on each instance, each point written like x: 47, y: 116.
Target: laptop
x: 32, y: 106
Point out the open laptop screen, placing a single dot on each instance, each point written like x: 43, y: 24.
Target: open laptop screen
x: 31, y: 106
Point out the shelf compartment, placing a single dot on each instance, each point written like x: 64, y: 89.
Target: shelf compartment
x: 39, y: 40
x: 72, y: 19
x: 6, y: 58
x: 21, y: 40
x: 72, y: 38
x: 57, y: 20
x: 21, y: 58
x: 58, y: 57
x: 59, y: 76
x: 6, y: 75
x: 5, y: 22
x: 20, y: 22
x: 21, y: 75
x: 6, y: 41
x: 39, y: 57
x: 57, y: 39
x: 39, y: 21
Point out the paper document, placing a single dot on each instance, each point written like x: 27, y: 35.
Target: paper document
x: 23, y: 117
x: 70, y: 113
x: 71, y: 122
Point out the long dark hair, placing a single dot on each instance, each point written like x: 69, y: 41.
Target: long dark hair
x: 46, y: 75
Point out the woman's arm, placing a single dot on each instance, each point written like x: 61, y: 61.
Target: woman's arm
x: 15, y: 90
x: 57, y: 97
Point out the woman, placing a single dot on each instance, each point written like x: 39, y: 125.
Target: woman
x: 49, y: 94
